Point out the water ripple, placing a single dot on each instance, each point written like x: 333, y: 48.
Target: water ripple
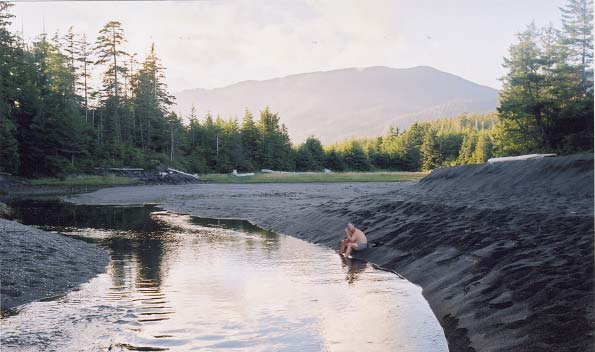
x: 174, y: 283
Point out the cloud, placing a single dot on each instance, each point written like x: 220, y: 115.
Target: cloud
x: 215, y: 43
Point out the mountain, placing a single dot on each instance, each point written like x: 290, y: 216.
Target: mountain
x: 352, y: 102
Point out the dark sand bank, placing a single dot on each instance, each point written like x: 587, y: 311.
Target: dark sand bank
x: 504, y: 252
x: 36, y: 264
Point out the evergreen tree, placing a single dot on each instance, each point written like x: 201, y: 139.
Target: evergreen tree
x: 196, y: 153
x: 408, y: 148
x: 303, y: 159
x: 84, y: 59
x: 430, y: 150
x: 355, y: 157
x: 467, y: 148
x: 54, y: 139
x: 333, y: 160
x: 393, y: 132
x: 391, y: 152
x: 577, y: 24
x: 483, y: 150
x: 450, y: 143
x: 286, y: 157
x: 233, y: 138
x: 9, y: 157
x: 575, y: 129
x: 309, y: 155
x: 193, y: 128
x: 70, y: 47
x: 109, y: 53
x: 228, y: 144
x: 274, y: 148
x: 175, y: 127
x: 547, y: 100
x: 210, y: 143
x: 150, y: 104
x: 372, y: 148
x: 250, y: 136
x: 9, y: 153
x: 520, y: 99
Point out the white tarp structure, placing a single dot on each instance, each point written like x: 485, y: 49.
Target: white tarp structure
x: 269, y: 171
x: 235, y: 173
x: 182, y: 173
x: 519, y: 157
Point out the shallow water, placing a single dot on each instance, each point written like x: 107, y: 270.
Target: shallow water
x: 181, y: 283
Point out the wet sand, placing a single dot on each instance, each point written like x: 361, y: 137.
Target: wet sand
x: 503, y: 252
x: 40, y: 265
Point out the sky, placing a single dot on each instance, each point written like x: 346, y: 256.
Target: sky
x: 209, y: 44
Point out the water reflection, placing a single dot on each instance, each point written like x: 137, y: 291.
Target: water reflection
x: 354, y: 268
x: 176, y: 282
x: 49, y: 214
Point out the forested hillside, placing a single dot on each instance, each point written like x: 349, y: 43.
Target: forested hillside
x: 53, y: 121
x: 351, y: 102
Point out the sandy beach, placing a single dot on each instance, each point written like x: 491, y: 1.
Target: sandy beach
x: 503, y: 252
x: 40, y: 265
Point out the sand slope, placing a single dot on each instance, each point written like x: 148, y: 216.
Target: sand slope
x: 37, y: 264
x: 504, y: 252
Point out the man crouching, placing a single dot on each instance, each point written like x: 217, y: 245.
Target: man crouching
x: 356, y: 240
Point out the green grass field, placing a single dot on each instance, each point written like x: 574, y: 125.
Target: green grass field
x: 305, y: 177
x: 86, y: 180
x: 297, y: 177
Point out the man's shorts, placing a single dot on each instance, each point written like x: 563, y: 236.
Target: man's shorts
x: 360, y: 246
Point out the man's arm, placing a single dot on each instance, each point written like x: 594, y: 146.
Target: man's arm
x: 349, y: 238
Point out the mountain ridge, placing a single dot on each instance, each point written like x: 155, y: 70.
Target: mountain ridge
x: 333, y: 70
x: 348, y: 102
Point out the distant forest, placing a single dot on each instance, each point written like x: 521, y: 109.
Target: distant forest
x: 54, y: 122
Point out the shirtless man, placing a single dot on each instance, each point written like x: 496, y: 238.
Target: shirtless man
x: 356, y: 240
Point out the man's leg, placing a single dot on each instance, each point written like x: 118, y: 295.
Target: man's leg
x: 343, y: 245
x: 349, y: 248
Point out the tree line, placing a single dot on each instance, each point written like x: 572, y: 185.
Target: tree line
x: 53, y: 121
x: 546, y: 103
x: 465, y: 139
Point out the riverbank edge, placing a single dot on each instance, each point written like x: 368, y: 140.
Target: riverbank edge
x: 38, y: 265
x: 505, y: 259
x: 457, y: 337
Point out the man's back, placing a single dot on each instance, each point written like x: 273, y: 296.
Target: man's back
x: 360, y: 237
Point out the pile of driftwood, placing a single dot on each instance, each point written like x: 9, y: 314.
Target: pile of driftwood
x: 161, y: 175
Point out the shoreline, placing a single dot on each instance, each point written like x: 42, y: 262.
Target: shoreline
x: 504, y: 262
x: 505, y: 259
x: 38, y: 265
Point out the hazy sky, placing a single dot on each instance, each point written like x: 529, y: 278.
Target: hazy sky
x: 210, y: 44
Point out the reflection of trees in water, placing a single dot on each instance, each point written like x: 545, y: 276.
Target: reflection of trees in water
x: 137, y: 237
x: 249, y: 245
x: 267, y: 243
x: 120, y: 249
x: 270, y: 241
x: 139, y: 262
x: 55, y: 213
x: 141, y: 247
x: 149, y: 255
x: 354, y: 268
